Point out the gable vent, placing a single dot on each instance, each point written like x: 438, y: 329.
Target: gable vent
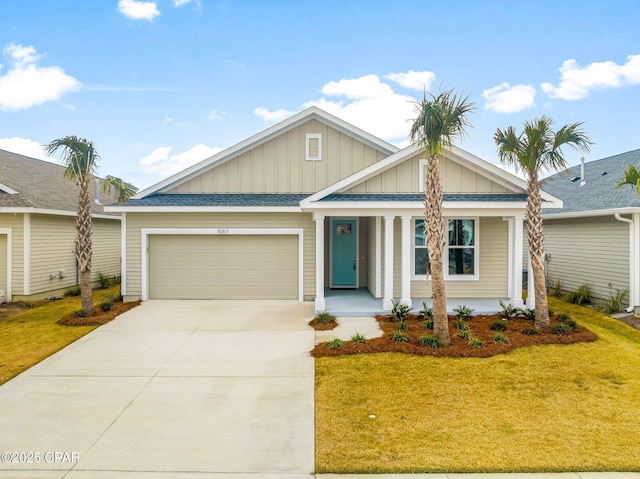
x: 314, y: 146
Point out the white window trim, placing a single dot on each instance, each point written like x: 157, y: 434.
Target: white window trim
x: 421, y: 169
x: 309, y: 137
x: 445, y: 252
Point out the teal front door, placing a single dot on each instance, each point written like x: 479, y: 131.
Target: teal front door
x: 344, y: 253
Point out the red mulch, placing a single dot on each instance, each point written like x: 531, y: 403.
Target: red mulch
x: 322, y: 326
x: 459, y: 347
x: 99, y: 317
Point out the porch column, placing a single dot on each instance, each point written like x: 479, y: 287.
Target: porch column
x: 518, y: 238
x: 319, y: 302
x: 387, y: 300
x: 405, y: 296
x: 531, y: 292
x: 634, y: 294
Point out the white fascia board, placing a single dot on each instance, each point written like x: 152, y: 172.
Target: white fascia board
x: 8, y: 190
x: 391, y: 205
x: 203, y: 209
x: 263, y: 136
x: 38, y: 211
x: 417, y: 210
x: 587, y: 214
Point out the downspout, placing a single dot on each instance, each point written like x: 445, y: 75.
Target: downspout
x: 632, y: 263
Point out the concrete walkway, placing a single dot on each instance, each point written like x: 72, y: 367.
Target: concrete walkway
x: 197, y: 389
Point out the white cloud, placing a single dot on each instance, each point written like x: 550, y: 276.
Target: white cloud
x: 137, y: 10
x: 365, y: 87
x: 505, y: 98
x: 217, y: 115
x: 163, y: 163
x: 420, y: 81
x: 26, y: 147
x: 576, y: 82
x: 177, y: 3
x: 269, y: 115
x: 26, y: 84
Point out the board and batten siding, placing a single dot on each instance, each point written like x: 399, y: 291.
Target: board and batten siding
x: 592, y: 251
x: 16, y: 224
x: 405, y: 178
x: 493, y: 249
x: 53, y: 246
x: 279, y: 165
x: 136, y: 221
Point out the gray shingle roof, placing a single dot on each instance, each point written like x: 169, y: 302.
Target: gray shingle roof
x: 419, y: 197
x: 40, y: 184
x: 220, y: 199
x: 599, y: 192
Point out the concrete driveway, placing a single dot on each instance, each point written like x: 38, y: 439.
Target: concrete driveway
x: 192, y: 389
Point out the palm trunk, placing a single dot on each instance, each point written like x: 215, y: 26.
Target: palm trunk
x: 536, y: 250
x: 83, y: 246
x: 435, y: 242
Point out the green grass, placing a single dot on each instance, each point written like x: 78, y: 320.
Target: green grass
x: 541, y: 408
x: 33, y: 335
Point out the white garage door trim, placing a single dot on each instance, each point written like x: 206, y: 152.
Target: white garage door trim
x: 8, y: 232
x: 146, y: 232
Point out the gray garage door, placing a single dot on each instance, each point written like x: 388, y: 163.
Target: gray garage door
x: 223, y: 267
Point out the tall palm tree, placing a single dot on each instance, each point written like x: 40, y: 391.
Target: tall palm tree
x: 536, y: 150
x: 440, y: 120
x: 631, y: 177
x: 81, y: 159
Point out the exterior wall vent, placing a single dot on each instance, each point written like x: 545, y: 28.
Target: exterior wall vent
x: 314, y: 147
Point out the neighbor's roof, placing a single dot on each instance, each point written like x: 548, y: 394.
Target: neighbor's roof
x: 40, y: 184
x: 599, y: 191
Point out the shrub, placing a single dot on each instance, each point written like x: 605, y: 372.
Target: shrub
x: 400, y: 311
x: 499, y: 326
x: 358, y: 337
x: 530, y: 331
x: 104, y: 281
x: 75, y: 291
x: 581, y: 296
x: 428, y: 323
x: 461, y: 324
x: 528, y: 313
x: 430, y: 340
x: 402, y: 326
x: 324, y: 318
x: 572, y: 324
x: 81, y: 313
x: 561, y: 328
x: 464, y: 334
x: 556, y: 289
x: 475, y: 342
x: 334, y: 343
x: 550, y: 313
x: 563, y: 317
x: 463, y: 312
x: 508, y: 310
x: 399, y: 337
x: 106, y: 306
x: 501, y: 338
x: 426, y: 312
x: 613, y: 304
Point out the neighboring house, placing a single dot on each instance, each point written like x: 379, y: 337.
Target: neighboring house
x: 314, y: 204
x: 37, y: 230
x: 595, y: 238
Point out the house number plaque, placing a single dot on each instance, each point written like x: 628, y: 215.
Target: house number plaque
x: 223, y: 231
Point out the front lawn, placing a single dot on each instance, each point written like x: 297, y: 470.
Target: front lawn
x: 33, y: 335
x: 539, y: 408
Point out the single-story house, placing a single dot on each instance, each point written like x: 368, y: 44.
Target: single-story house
x: 313, y: 205
x: 37, y: 230
x: 595, y: 238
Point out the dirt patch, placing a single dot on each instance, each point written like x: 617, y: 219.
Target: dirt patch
x: 479, y: 327
x: 99, y: 317
x: 10, y: 309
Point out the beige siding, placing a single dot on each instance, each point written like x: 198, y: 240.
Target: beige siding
x: 137, y: 221
x: 280, y: 166
x: 3, y: 262
x: 405, y: 178
x: 493, y: 252
x: 53, y: 245
x: 593, y: 251
x: 15, y: 222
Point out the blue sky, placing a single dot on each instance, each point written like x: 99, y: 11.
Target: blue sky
x: 160, y: 85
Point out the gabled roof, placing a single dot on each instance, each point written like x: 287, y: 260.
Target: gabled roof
x: 598, y: 194
x: 219, y: 199
x: 27, y: 183
x: 313, y: 113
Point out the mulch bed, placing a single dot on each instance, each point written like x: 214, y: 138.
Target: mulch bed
x: 480, y: 328
x: 99, y: 317
x: 322, y: 326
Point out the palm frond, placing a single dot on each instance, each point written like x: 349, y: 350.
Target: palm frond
x: 631, y: 177
x: 78, y: 155
x: 122, y: 190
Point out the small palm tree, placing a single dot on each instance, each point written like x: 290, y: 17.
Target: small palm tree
x: 81, y: 159
x: 631, y: 177
x: 440, y: 120
x: 537, y: 149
